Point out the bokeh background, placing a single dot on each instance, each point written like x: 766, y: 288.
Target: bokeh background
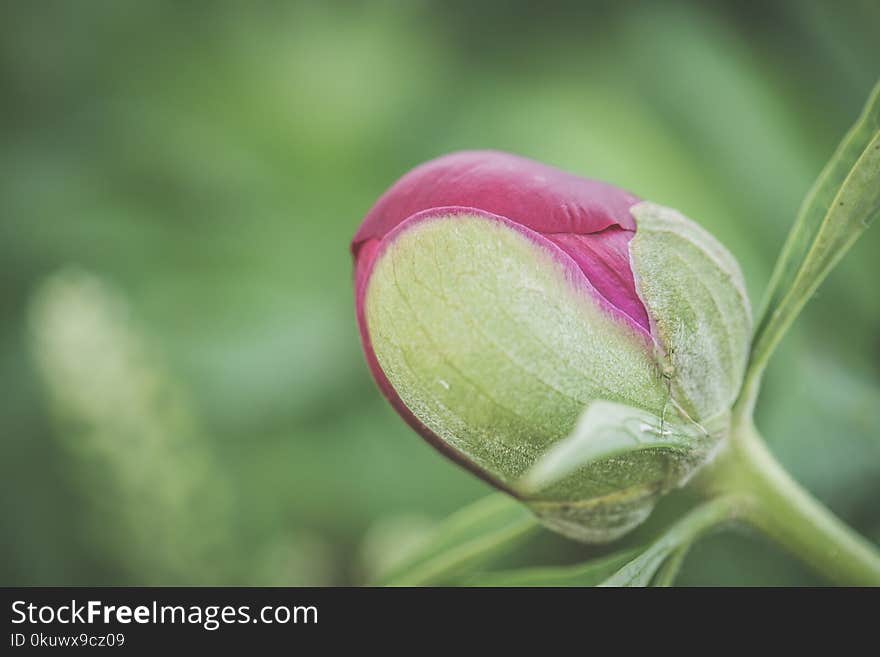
x: 182, y: 394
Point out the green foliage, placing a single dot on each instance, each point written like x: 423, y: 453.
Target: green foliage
x: 659, y: 563
x: 840, y: 206
x: 128, y: 426
x: 467, y: 539
x: 654, y: 564
x: 213, y: 183
x: 591, y: 573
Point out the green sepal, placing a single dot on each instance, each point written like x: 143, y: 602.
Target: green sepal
x: 499, y: 350
x: 695, y: 295
x: 647, y: 455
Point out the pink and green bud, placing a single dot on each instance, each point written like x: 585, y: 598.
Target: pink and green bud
x: 498, y: 299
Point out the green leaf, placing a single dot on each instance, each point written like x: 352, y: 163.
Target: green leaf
x: 642, y: 570
x: 841, y: 204
x: 591, y: 573
x: 667, y: 572
x: 467, y: 539
x: 608, y: 429
x: 655, y: 565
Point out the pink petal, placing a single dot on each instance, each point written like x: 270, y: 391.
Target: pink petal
x: 604, y: 259
x: 535, y: 195
x: 587, y: 219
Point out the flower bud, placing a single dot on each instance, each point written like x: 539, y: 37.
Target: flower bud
x: 499, y: 298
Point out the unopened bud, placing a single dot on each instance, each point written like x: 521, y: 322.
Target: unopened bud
x: 499, y: 298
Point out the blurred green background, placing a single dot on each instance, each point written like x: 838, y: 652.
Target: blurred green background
x: 183, y: 396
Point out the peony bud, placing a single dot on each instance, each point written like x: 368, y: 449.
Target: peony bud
x: 499, y: 298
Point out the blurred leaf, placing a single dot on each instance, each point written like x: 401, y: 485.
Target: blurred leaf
x: 668, y: 572
x: 837, y: 210
x: 654, y: 565
x: 467, y: 539
x: 301, y: 558
x: 391, y: 540
x: 591, y: 573
x: 156, y: 505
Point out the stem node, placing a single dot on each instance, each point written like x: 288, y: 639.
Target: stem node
x: 781, y: 509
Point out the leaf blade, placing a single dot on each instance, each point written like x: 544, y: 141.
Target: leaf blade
x: 642, y: 570
x: 467, y: 539
x: 839, y: 207
x: 668, y: 572
x: 590, y: 573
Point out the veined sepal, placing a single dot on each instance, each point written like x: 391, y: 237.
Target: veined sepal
x: 700, y: 313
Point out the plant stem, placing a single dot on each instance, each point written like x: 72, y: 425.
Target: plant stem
x: 781, y: 509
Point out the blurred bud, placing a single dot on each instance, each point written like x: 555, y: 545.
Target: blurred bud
x: 498, y: 299
x: 155, y: 506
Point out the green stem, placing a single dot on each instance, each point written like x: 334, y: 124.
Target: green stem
x: 781, y: 509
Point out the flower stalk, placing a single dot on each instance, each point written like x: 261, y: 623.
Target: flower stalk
x: 777, y: 506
